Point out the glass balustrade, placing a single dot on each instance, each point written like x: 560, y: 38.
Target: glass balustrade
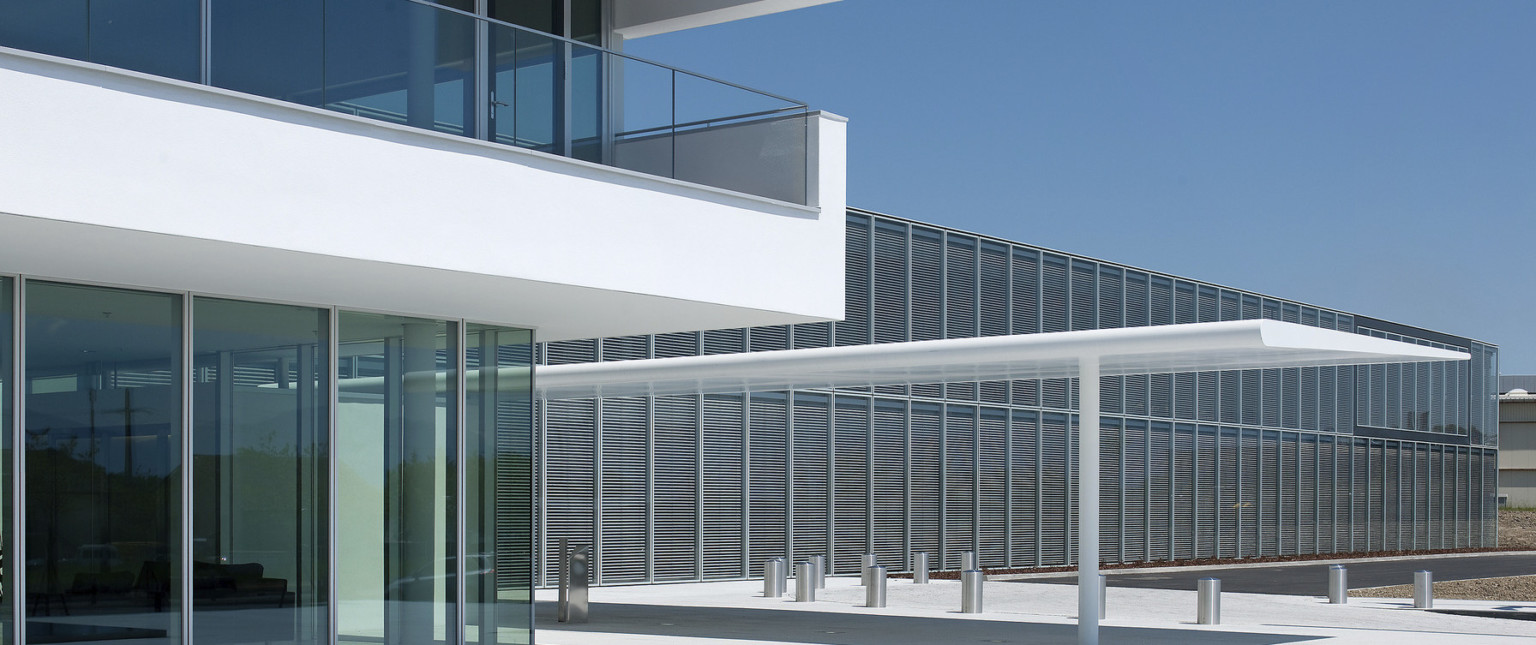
x: 435, y: 67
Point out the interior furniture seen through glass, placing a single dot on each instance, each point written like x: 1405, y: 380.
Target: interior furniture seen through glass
x: 260, y: 426
x: 103, y: 454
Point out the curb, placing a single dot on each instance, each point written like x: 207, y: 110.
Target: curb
x: 1253, y: 565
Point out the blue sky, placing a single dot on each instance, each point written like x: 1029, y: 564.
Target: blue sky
x: 1373, y: 157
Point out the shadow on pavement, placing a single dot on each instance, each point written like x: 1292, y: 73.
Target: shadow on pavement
x: 832, y: 628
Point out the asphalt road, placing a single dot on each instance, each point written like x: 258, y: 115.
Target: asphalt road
x: 1312, y: 579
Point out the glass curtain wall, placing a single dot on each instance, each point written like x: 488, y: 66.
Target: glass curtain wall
x: 397, y: 472
x: 498, y: 492
x: 260, y: 425
x: 103, y: 465
x: 114, y: 423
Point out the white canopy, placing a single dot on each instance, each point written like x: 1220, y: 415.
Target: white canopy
x: 1238, y: 344
x: 1198, y: 347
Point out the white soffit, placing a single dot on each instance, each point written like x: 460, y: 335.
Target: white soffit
x: 640, y: 18
x: 1238, y: 344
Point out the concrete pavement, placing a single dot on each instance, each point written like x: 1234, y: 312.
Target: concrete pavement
x: 735, y: 613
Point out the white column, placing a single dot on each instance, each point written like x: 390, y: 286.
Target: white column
x: 1088, y: 501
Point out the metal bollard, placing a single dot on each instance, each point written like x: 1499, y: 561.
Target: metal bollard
x: 874, y: 592
x: 968, y: 561
x: 1103, y: 595
x: 1209, y: 601
x: 805, y: 582
x: 920, y: 568
x: 821, y: 570
x: 865, y: 562
x: 1423, y: 590
x: 784, y: 571
x: 773, y: 578
x: 970, y: 591
x: 574, y: 576
x: 1338, y: 584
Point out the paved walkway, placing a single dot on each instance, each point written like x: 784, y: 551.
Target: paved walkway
x: 735, y: 613
x: 1311, y: 578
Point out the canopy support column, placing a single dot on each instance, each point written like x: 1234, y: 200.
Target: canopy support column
x: 1088, y: 501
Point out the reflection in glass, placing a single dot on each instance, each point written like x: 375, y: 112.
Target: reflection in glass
x: 401, y: 62
x: 259, y: 530
x: 396, y: 479
x: 103, y: 445
x: 525, y: 75
x: 271, y: 48
x: 157, y: 37
x: 498, y: 472
x: 7, y: 363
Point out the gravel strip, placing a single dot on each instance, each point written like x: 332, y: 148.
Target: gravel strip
x: 1517, y: 529
x: 1511, y: 588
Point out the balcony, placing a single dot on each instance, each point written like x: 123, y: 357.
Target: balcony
x: 436, y: 68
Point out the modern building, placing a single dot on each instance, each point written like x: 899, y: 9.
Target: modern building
x: 271, y: 274
x: 1517, y: 441
x: 1194, y: 465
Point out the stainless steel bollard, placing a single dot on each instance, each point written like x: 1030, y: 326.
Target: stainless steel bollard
x: 1103, y: 595
x: 805, y: 582
x: 970, y: 591
x: 865, y: 562
x: 1423, y: 590
x: 968, y: 561
x: 573, y: 591
x: 821, y: 570
x: 773, y: 578
x: 920, y: 568
x: 784, y: 571
x: 1209, y: 601
x: 874, y: 592
x: 1338, y: 584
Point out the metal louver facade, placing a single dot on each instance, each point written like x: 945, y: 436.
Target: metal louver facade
x: 1197, y: 465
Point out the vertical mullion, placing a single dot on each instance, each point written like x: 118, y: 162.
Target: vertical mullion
x: 831, y: 453
x: 698, y: 485
x: 205, y: 44
x: 976, y: 475
x: 869, y: 451
x: 482, y: 73
x: 906, y: 484
x: 746, y: 479
x: 332, y: 508
x: 185, y: 381
x: 13, y: 542
x: 461, y: 363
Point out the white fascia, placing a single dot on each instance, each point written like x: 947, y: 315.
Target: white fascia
x: 122, y: 178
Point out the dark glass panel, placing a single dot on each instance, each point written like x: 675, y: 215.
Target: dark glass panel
x: 587, y: 21
x: 397, y: 479
x: 400, y: 62
x: 498, y: 471
x: 259, y: 459
x: 538, y: 15
x: 157, y: 37
x: 56, y: 27
x: 103, y: 454
x: 272, y: 48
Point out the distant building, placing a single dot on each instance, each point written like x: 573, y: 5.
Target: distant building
x: 1517, y: 441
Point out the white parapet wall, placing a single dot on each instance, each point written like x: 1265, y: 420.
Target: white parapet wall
x: 123, y: 178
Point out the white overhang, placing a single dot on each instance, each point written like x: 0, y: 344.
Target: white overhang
x: 1238, y: 344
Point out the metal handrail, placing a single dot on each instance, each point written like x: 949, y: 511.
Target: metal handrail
x: 428, y: 3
